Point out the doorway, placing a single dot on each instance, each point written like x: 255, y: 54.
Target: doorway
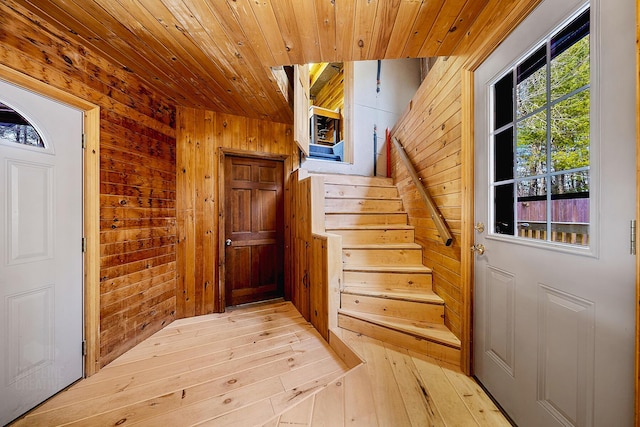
x: 41, y: 259
x: 554, y: 276
x: 253, y: 229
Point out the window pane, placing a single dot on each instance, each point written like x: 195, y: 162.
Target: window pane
x: 532, y: 83
x: 503, y: 97
x: 532, y: 145
x: 503, y: 155
x: 570, y: 133
x: 570, y: 208
x: 570, y: 69
x: 15, y: 129
x: 532, y: 208
x: 503, y: 204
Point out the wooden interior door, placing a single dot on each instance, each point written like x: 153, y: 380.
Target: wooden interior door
x: 254, y: 229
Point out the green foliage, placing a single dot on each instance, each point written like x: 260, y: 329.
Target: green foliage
x: 569, y: 125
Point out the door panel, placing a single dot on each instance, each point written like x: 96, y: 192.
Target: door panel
x: 553, y: 324
x: 40, y: 254
x: 254, y: 230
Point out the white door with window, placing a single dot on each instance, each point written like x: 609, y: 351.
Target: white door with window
x: 40, y: 249
x: 554, y: 313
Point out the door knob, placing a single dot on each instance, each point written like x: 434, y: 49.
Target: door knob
x: 479, y: 227
x: 227, y: 242
x: 478, y: 248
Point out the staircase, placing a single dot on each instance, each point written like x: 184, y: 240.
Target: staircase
x: 386, y: 292
x: 323, y: 152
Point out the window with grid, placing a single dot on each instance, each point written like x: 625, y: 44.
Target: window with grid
x: 540, y: 140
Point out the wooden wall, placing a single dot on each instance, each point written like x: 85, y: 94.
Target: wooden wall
x: 137, y: 177
x: 437, y: 132
x: 202, y: 137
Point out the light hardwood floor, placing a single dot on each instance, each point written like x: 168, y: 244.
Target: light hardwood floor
x: 265, y: 365
x: 395, y: 387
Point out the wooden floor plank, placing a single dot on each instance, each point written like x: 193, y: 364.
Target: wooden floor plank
x: 479, y: 404
x: 420, y: 407
x: 328, y: 409
x: 359, y: 408
x: 168, y: 346
x: 303, y: 391
x: 310, y: 368
x: 443, y: 394
x: 164, y: 396
x: 216, y: 406
x: 247, y: 416
x: 269, y: 367
x: 185, y: 375
x: 233, y: 373
x: 299, y: 415
x: 235, y: 319
x: 200, y: 356
x: 386, y: 393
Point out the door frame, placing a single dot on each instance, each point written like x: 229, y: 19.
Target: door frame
x: 91, y: 206
x: 467, y: 237
x: 223, y: 153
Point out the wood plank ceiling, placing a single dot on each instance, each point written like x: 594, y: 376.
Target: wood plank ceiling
x: 217, y: 54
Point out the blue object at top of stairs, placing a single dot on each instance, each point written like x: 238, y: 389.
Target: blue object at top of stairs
x: 324, y: 152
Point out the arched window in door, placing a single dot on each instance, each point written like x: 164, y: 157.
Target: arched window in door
x: 15, y: 129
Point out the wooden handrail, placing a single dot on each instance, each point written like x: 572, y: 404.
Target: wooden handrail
x: 436, y: 216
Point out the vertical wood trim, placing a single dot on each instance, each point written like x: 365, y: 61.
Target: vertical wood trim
x: 467, y: 231
x: 92, y: 233
x: 91, y: 207
x: 221, y: 233
x: 301, y: 107
x: 349, y: 108
x: 637, y: 355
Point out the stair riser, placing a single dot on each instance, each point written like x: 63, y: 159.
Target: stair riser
x: 407, y: 310
x: 332, y: 190
x: 382, y: 256
x: 358, y: 180
x: 361, y: 237
x: 335, y: 220
x: 362, y: 205
x: 423, y: 346
x: 388, y: 280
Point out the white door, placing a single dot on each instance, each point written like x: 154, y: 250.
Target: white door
x: 555, y: 165
x: 40, y: 250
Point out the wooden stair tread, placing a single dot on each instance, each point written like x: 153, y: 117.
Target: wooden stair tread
x: 429, y: 331
x: 387, y: 268
x: 372, y: 181
x: 381, y: 246
x: 392, y: 199
x: 365, y: 212
x: 372, y: 227
x: 395, y: 294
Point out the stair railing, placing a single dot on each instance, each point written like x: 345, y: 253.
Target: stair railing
x: 436, y: 216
